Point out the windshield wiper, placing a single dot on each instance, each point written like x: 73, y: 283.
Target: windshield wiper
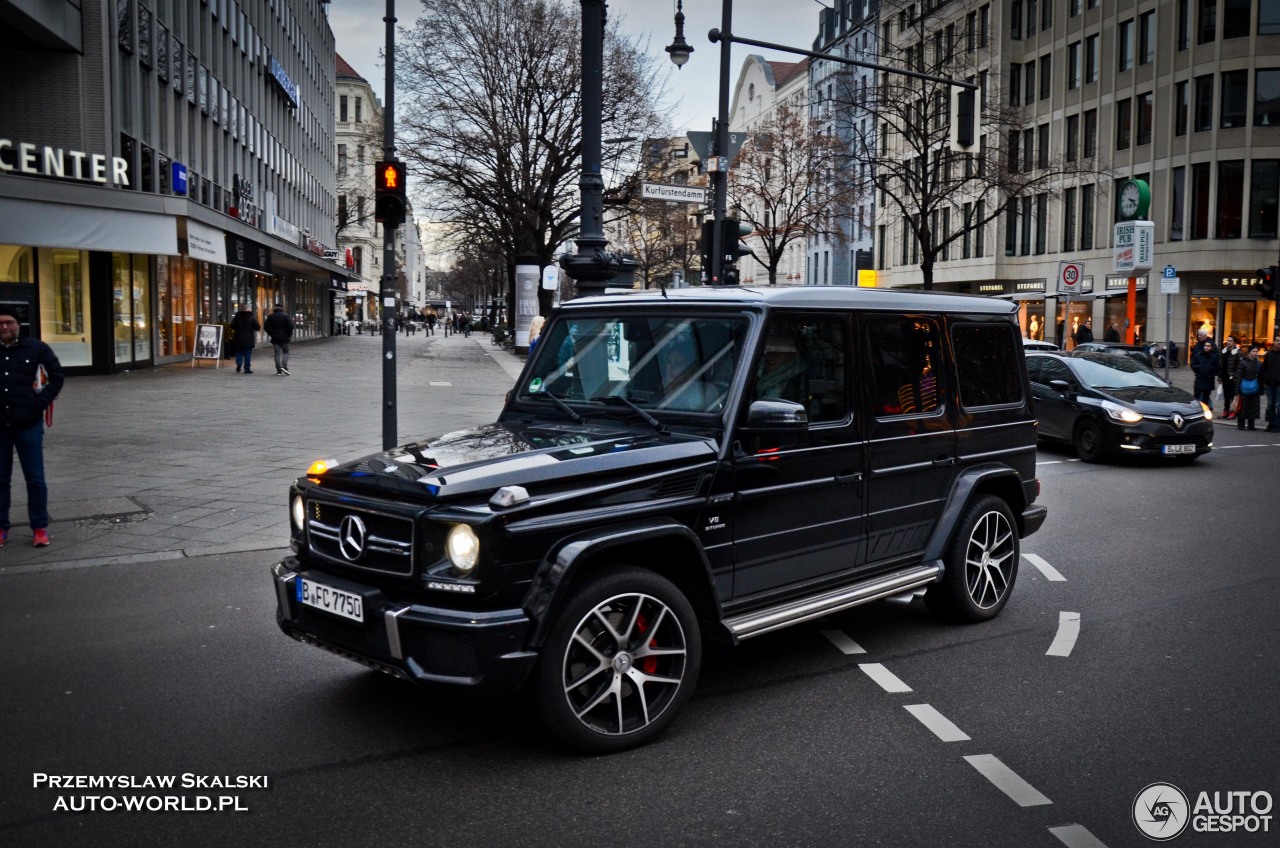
x: 566, y: 408
x: 644, y: 416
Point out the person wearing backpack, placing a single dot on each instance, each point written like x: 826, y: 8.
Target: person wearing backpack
x: 280, y: 331
x: 1250, y: 390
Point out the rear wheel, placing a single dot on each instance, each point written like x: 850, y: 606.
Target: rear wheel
x: 981, y: 564
x: 622, y: 659
x: 1088, y: 440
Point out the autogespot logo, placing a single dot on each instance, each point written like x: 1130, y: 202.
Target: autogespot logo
x: 1160, y: 811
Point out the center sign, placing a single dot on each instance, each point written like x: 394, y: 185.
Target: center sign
x: 1134, y: 246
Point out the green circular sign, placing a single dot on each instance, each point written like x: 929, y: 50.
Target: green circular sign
x: 1133, y: 200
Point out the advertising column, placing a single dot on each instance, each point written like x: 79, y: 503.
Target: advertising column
x: 528, y: 275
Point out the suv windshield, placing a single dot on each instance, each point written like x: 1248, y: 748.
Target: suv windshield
x: 1113, y: 371
x: 658, y: 362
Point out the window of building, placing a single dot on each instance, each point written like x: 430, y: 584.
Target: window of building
x: 1146, y: 38
x: 342, y: 108
x: 1042, y: 222
x: 1028, y: 150
x: 1015, y: 20
x: 1069, y: 220
x: 359, y: 106
x: 984, y: 24
x: 1031, y: 18
x: 1145, y: 116
x: 1042, y: 160
x: 1124, y: 46
x: 1090, y: 133
x: 1071, y: 143
x: 1268, y: 17
x: 1073, y: 65
x: 1184, y: 24
x: 1230, y: 199
x: 966, y: 236
x: 1204, y: 103
x: 1011, y: 229
x: 1046, y: 14
x: 1026, y: 226
x: 1207, y: 22
x: 1086, y: 217
x: 1180, y: 108
x: 1199, y: 201
x: 1236, y: 18
x: 1266, y: 98
x: 1090, y: 59
x: 1264, y: 194
x: 1076, y: 7
x: 1013, y: 151
x: 1124, y: 123
x: 971, y: 32
x: 980, y: 229
x: 1177, y: 200
x: 1235, y: 98
x: 1029, y: 82
x: 1045, y: 76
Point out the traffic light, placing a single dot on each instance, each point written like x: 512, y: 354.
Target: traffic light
x: 964, y: 119
x: 389, y: 193
x: 1267, y: 284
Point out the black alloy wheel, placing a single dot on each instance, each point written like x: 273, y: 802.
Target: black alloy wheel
x: 1088, y: 440
x: 622, y: 659
x: 981, y: 564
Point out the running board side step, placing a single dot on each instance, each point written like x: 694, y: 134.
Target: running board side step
x: 786, y: 614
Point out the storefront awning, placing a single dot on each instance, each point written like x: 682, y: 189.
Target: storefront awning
x: 38, y: 224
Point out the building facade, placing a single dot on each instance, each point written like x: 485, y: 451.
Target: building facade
x: 163, y: 164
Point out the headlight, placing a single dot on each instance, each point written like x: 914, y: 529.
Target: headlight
x: 1208, y: 411
x: 1121, y: 413
x: 298, y: 512
x: 463, y: 548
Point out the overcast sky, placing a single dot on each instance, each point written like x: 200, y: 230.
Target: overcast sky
x: 359, y: 33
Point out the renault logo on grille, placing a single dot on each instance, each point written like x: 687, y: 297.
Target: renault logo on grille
x: 1178, y: 421
x: 352, y: 535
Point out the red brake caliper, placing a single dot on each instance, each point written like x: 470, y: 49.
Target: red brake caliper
x: 649, y: 665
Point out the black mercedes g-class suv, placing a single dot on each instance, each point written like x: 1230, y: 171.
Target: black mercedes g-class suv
x: 700, y: 464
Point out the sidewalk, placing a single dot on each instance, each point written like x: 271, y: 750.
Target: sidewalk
x: 177, y: 461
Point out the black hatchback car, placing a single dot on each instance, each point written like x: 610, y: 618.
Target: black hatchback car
x: 1106, y: 403
x: 1138, y: 352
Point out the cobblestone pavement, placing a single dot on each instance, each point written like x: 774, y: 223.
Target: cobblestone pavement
x: 181, y: 461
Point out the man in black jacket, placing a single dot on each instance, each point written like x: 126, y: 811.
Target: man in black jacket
x: 27, y: 392
x: 1269, y: 376
x: 280, y: 331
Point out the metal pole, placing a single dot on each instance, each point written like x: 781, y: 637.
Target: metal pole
x: 1168, y: 330
x: 720, y: 148
x: 389, y: 248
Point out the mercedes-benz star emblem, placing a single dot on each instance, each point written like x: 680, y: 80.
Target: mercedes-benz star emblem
x: 1177, y: 421
x: 351, y: 537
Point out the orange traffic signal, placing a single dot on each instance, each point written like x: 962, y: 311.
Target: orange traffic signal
x: 389, y: 178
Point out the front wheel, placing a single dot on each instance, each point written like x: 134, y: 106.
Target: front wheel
x: 1088, y: 440
x: 621, y: 660
x: 981, y: 564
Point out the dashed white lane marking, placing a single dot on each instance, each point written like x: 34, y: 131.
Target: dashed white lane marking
x: 438, y: 383
x: 888, y: 681
x: 1076, y: 836
x: 1003, y: 778
x: 1068, y: 632
x: 843, y: 642
x: 1049, y: 572
x: 941, y: 726
x: 1051, y: 462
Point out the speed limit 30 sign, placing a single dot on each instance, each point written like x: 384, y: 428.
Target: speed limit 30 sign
x: 1069, y: 276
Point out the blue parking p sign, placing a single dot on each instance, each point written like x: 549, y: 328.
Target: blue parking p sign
x: 1170, y: 272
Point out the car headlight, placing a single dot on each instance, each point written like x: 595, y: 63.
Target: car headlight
x: 1121, y: 413
x: 463, y: 548
x: 298, y: 512
x: 1208, y: 411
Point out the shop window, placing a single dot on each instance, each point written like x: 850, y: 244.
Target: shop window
x: 1200, y: 201
x: 1230, y: 198
x: 1264, y: 195
x: 16, y: 264
x: 1236, y: 17
x: 64, y: 305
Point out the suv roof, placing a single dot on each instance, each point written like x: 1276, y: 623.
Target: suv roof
x: 810, y: 297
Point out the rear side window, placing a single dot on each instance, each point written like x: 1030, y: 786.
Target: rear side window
x: 987, y: 364
x: 905, y: 353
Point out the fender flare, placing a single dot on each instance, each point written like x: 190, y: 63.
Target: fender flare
x: 959, y: 499
x: 548, y: 588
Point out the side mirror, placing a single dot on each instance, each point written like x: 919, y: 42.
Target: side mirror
x: 776, y: 415
x: 1060, y: 386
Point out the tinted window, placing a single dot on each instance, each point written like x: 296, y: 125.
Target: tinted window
x: 987, y: 364
x: 904, y: 355
x: 803, y: 362
x: 1053, y: 369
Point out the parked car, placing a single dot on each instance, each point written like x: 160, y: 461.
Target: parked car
x: 1142, y: 353
x: 1037, y: 344
x: 702, y: 464
x: 1106, y: 403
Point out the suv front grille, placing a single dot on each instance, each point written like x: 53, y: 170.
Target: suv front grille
x: 361, y: 538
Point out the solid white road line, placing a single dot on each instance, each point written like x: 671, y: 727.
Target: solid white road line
x: 843, y: 642
x: 1022, y: 793
x: 1068, y: 632
x: 887, y: 680
x: 941, y: 726
x: 1076, y: 836
x: 1049, y: 572
x: 438, y: 383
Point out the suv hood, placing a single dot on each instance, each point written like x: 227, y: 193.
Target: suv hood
x: 482, y: 460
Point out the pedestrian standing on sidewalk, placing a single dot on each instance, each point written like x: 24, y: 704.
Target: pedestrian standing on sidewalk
x: 30, y: 379
x: 245, y: 326
x: 280, y: 331
x: 1229, y: 374
x: 1269, y: 375
x: 1205, y: 364
x: 1250, y: 401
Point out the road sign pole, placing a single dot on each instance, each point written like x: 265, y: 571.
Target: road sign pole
x: 1131, y: 310
x: 1168, y: 333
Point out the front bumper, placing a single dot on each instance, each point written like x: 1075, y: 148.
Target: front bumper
x: 431, y: 646
x: 1149, y: 437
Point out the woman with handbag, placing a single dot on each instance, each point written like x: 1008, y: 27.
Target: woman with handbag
x: 1250, y: 390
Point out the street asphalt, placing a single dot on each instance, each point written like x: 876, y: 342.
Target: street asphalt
x: 182, y: 461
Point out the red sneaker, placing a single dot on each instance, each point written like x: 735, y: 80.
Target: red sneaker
x: 42, y: 538
x: 4, y: 537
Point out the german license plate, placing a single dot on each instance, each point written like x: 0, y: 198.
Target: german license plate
x: 1176, y: 449
x: 331, y: 600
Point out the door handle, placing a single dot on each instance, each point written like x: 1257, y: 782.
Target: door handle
x: 943, y: 461
x: 851, y: 477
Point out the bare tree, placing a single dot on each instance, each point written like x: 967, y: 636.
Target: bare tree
x: 355, y: 177
x: 790, y: 183
x: 492, y: 127
x: 923, y: 182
